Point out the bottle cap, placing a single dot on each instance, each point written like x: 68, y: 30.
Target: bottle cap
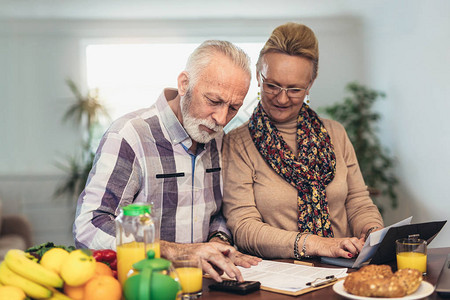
x: 137, y: 209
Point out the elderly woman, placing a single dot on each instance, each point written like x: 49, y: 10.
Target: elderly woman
x: 292, y: 183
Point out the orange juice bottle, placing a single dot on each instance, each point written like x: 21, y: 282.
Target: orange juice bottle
x: 127, y: 255
x: 136, y: 233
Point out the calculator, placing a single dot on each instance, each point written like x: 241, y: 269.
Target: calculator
x: 236, y: 287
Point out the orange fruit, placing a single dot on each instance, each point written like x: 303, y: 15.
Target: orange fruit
x: 74, y: 292
x: 102, y: 287
x: 103, y: 269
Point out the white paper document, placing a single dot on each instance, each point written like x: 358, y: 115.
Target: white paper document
x: 287, y: 276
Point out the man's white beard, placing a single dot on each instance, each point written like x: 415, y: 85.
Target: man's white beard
x: 191, y: 124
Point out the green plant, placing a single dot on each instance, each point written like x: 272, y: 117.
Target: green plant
x: 356, y: 115
x: 86, y: 112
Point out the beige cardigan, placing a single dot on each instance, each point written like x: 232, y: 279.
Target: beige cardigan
x: 261, y: 208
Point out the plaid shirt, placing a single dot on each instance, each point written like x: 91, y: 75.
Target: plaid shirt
x: 144, y: 157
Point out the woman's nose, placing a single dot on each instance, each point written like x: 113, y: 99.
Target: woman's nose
x: 282, y: 97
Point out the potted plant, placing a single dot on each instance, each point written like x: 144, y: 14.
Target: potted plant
x: 86, y: 112
x: 356, y: 115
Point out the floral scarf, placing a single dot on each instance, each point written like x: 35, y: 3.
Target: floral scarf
x: 310, y: 173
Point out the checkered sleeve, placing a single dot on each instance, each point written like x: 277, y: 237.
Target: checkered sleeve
x: 112, y: 182
x: 218, y: 223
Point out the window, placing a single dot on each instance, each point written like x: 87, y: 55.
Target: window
x: 132, y: 76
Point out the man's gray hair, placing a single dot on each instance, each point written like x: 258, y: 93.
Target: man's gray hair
x: 202, y: 55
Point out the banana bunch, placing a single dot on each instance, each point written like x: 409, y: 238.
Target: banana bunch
x: 34, y: 279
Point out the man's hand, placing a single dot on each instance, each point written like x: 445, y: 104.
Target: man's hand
x: 218, y: 240
x: 213, y: 255
x: 243, y: 260
x: 238, y: 258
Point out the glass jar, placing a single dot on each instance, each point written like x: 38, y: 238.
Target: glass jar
x: 136, y: 233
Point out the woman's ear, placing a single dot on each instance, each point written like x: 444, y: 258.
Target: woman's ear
x: 183, y: 83
x: 309, y: 87
x: 257, y: 79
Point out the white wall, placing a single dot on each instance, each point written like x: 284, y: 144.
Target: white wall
x: 407, y: 51
x: 401, y: 48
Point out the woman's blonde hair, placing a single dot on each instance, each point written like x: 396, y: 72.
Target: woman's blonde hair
x: 292, y: 39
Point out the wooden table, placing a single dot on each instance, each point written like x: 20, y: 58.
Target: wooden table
x: 436, y: 259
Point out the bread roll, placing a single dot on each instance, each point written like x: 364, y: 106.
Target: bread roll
x: 379, y: 281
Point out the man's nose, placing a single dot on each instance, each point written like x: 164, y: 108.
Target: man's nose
x: 220, y: 115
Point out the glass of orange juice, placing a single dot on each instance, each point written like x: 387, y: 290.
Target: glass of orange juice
x: 412, y: 253
x: 137, y: 231
x: 189, y: 270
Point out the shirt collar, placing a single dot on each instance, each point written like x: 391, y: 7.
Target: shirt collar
x: 170, y: 121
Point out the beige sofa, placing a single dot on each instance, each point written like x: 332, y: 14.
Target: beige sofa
x: 15, y: 233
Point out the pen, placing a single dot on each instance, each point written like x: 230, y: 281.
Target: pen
x: 322, y: 281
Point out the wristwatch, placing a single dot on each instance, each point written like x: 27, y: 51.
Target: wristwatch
x: 370, y: 231
x: 221, y: 235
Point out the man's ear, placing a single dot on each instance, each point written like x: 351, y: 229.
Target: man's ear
x: 183, y: 83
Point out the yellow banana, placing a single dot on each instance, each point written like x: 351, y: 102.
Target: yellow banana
x: 57, y: 295
x: 32, y: 289
x: 18, y: 262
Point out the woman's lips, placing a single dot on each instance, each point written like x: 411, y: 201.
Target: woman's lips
x: 281, y: 107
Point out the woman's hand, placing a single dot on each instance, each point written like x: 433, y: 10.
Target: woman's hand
x: 333, y: 247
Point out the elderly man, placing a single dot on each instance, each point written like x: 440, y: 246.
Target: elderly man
x: 169, y: 155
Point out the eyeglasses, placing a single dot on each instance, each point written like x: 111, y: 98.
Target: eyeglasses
x: 273, y: 89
